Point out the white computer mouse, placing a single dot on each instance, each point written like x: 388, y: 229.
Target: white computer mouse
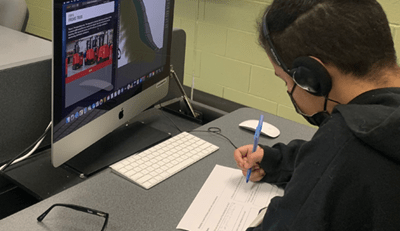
x: 267, y: 129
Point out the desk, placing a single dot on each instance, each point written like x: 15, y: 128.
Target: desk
x: 25, y: 88
x: 19, y: 49
x: 160, y: 208
x: 38, y: 177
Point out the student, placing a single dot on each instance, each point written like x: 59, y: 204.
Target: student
x: 338, y: 61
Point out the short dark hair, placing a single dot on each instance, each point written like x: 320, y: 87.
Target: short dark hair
x: 353, y: 35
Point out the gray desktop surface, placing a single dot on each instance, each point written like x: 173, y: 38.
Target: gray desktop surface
x: 38, y: 177
x: 160, y: 208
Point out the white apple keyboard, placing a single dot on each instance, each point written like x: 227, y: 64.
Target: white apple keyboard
x: 163, y: 160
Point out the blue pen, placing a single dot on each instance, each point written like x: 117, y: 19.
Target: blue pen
x: 256, y: 138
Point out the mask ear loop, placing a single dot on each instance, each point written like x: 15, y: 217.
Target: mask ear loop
x: 326, y: 104
x: 329, y: 99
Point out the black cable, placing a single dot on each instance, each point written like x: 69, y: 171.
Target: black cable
x: 176, y: 126
x: 216, y: 130
x: 26, y: 150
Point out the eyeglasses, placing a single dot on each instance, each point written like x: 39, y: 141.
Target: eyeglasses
x: 79, y: 208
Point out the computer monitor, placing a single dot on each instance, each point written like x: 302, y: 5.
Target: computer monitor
x: 111, y: 61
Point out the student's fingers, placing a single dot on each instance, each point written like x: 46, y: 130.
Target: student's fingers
x: 240, y: 155
x: 257, y: 174
x: 240, y: 164
x: 254, y: 158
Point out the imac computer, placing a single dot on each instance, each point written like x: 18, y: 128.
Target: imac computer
x: 111, y: 61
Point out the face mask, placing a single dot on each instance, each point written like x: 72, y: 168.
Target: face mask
x: 315, y: 119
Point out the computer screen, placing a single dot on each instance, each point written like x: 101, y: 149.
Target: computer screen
x: 111, y: 61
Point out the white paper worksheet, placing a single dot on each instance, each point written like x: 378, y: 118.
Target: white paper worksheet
x: 226, y: 202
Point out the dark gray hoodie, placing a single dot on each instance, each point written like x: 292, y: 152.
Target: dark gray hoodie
x: 347, y: 177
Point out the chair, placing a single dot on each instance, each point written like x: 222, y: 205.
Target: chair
x: 14, y: 14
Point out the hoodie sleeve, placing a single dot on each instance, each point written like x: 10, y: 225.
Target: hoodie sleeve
x: 279, y: 160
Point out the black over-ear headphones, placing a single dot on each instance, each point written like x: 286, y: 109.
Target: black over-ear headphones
x: 306, y: 72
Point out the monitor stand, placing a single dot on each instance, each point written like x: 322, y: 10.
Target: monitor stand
x: 117, y: 145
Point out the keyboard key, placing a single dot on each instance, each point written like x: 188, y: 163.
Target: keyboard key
x: 179, y: 166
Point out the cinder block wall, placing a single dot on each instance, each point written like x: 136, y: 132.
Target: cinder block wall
x: 222, y: 55
x: 224, y: 58
x: 40, y: 18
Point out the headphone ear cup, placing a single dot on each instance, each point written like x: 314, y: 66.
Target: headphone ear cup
x: 310, y: 75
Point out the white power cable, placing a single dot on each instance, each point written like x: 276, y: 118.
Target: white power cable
x: 29, y: 153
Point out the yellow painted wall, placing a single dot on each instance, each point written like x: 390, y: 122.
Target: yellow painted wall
x: 40, y: 18
x: 222, y: 53
x: 225, y: 60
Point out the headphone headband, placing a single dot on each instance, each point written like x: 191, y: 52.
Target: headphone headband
x: 271, y: 45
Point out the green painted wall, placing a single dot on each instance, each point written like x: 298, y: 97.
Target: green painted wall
x: 40, y: 18
x: 222, y: 53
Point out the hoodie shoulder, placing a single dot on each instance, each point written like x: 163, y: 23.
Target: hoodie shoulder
x: 374, y: 117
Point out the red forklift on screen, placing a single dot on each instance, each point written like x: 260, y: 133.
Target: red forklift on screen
x: 110, y: 45
x: 66, y: 66
x: 111, y: 48
x: 90, y: 55
x: 104, y: 50
x: 77, y: 60
x: 95, y: 48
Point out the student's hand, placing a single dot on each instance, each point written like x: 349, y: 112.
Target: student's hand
x: 245, y: 159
